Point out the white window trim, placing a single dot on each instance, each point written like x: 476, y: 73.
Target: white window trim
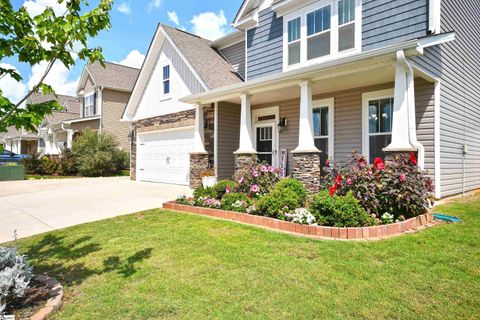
x: 84, y: 97
x: 434, y: 19
x: 366, y: 98
x: 334, y: 28
x: 330, y: 103
x: 166, y: 96
x: 266, y: 112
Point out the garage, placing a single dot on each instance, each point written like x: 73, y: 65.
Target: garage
x: 163, y: 156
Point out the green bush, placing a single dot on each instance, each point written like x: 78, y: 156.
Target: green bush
x: 296, y: 186
x: 98, y: 154
x: 340, y: 211
x: 67, y: 165
x: 220, y: 188
x: 50, y: 165
x: 277, y: 203
x: 233, y: 201
x: 200, y: 193
x: 33, y: 165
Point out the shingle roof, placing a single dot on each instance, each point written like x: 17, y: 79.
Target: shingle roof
x: 214, y: 70
x: 71, y: 104
x: 57, y: 117
x: 113, y: 75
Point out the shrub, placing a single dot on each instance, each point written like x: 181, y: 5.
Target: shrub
x: 222, y: 187
x: 33, y: 164
x: 294, y: 185
x: 397, y: 187
x: 340, y: 211
x: 98, y: 154
x: 233, y: 201
x: 15, y: 276
x: 257, y: 180
x: 50, y: 165
x: 277, y: 203
x: 67, y: 165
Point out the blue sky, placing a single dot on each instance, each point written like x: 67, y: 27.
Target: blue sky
x: 133, y: 25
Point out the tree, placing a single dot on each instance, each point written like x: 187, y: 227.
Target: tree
x: 48, y: 38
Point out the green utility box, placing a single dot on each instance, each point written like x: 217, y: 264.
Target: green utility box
x: 12, y: 172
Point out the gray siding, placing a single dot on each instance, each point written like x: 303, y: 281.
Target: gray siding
x: 235, y: 55
x: 265, y: 46
x: 457, y: 65
x: 385, y: 22
x: 228, y: 138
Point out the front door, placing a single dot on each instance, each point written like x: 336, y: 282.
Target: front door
x: 265, y: 137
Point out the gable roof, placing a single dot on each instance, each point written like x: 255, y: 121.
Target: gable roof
x: 214, y: 70
x: 70, y: 103
x: 113, y: 76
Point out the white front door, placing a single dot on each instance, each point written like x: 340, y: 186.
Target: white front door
x: 265, y: 135
x: 164, y: 156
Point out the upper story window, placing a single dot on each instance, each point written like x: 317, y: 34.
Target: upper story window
x: 89, y: 105
x: 321, y: 31
x: 166, y: 79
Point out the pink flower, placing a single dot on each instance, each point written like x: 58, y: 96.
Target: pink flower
x: 378, y: 163
x: 369, y: 172
x: 263, y: 168
x: 349, y: 181
x: 255, y: 188
x: 271, y: 169
x: 255, y: 173
x: 241, y: 180
x: 402, y: 177
x: 228, y: 189
x: 333, y: 190
x: 327, y: 163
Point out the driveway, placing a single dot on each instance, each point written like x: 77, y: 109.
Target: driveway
x: 36, y: 206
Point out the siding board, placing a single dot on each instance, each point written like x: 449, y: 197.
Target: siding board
x: 228, y: 138
x: 235, y: 55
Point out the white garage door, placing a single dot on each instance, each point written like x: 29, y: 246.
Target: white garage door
x: 164, y: 156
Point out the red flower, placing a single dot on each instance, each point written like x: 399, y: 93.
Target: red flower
x: 333, y: 190
x: 378, y: 163
x: 338, y: 180
x: 413, y: 159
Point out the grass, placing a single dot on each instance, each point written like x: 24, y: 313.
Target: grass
x: 165, y: 265
x: 43, y: 177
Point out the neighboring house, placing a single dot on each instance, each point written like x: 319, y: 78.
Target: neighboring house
x: 301, y: 81
x: 24, y: 142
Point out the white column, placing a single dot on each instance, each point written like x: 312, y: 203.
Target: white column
x: 306, y: 140
x: 54, y: 143
x: 69, y: 138
x: 246, y: 136
x: 199, y: 146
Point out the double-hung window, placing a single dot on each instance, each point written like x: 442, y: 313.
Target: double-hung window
x: 346, y: 24
x: 294, y: 27
x: 89, y: 105
x: 318, y: 32
x: 323, y: 127
x: 380, y: 115
x: 166, y: 80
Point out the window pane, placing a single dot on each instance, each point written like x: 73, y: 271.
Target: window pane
x: 346, y: 11
x: 318, y: 46
x: 377, y: 143
x: 166, y: 72
x: 322, y: 145
x: 318, y: 21
x: 373, y: 116
x: 317, y: 119
x: 386, y: 110
x: 294, y: 53
x: 346, y: 37
x: 294, y: 29
x: 324, y: 123
x: 166, y: 86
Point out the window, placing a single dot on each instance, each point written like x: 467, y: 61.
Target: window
x: 318, y: 33
x: 380, y: 115
x: 166, y: 79
x: 320, y: 130
x: 346, y: 24
x: 294, y: 27
x: 89, y: 105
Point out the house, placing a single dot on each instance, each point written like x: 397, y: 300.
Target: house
x: 24, y: 142
x: 302, y: 81
x: 104, y: 93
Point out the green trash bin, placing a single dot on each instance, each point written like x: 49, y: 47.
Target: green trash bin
x: 9, y: 172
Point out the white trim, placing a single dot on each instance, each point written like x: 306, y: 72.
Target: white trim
x: 330, y: 103
x: 215, y: 138
x: 366, y: 98
x: 166, y: 130
x: 434, y: 16
x: 275, y: 136
x: 246, y: 54
x: 437, y: 141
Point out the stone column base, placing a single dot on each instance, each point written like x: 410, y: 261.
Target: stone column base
x: 306, y: 169
x: 198, y: 164
x: 244, y: 160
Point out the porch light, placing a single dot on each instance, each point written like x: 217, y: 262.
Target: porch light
x: 282, y: 124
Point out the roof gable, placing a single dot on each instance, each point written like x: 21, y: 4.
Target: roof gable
x: 113, y: 76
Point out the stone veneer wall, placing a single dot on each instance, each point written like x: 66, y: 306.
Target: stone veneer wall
x: 244, y: 160
x: 306, y: 168
x: 199, y: 162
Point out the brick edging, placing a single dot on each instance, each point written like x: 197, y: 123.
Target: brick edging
x: 317, y: 232
x: 55, y: 301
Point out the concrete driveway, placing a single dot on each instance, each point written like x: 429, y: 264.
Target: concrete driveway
x: 36, y: 206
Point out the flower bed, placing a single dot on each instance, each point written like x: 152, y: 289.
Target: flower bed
x: 353, y: 195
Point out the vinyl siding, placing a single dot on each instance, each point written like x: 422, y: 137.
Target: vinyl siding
x: 457, y: 65
x: 87, y: 124
x: 235, y: 55
x: 385, y: 22
x: 114, y: 103
x: 88, y: 89
x: 228, y: 138
x: 265, y: 46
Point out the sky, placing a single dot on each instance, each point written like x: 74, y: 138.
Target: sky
x: 133, y: 25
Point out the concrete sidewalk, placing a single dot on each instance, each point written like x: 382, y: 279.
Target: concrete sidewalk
x: 36, y: 206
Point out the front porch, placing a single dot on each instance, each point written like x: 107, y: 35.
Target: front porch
x: 376, y: 108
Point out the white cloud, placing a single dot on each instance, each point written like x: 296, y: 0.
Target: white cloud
x: 12, y: 89
x: 58, y: 78
x: 35, y: 7
x: 124, y: 8
x: 154, y: 4
x: 210, y: 25
x: 172, y: 15
x: 134, y: 59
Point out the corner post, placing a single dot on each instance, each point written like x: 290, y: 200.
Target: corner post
x: 199, y: 156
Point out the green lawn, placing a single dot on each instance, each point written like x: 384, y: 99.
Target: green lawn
x: 43, y: 177
x: 160, y: 264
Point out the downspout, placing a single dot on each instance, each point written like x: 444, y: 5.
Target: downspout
x: 412, y: 125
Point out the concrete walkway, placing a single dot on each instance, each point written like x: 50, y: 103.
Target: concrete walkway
x: 36, y: 206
